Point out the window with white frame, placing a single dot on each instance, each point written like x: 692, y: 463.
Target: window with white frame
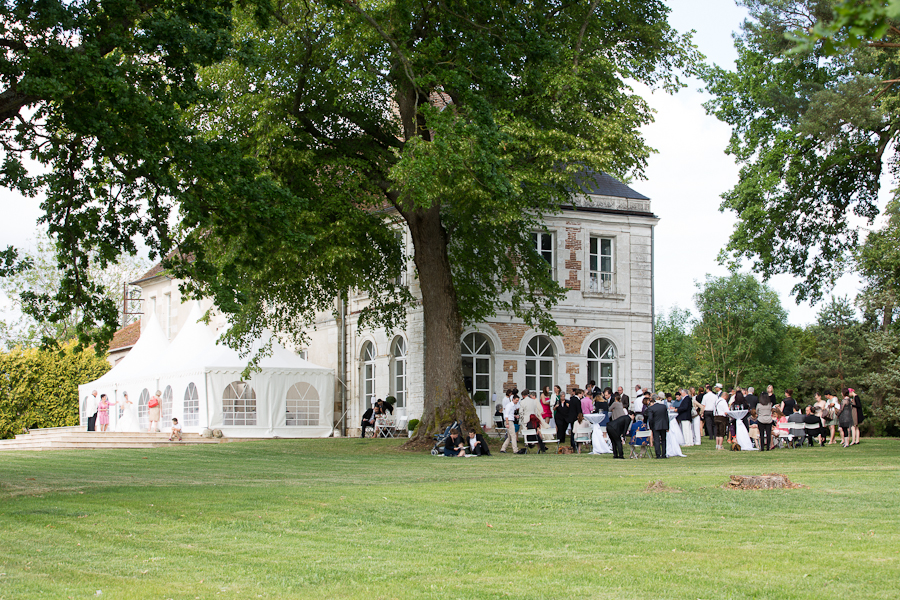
x: 367, y: 375
x: 476, y: 365
x: 191, y: 406
x: 239, y: 404
x: 166, y: 411
x: 398, y: 371
x: 543, y: 243
x: 601, y: 277
x: 540, y: 361
x: 152, y: 306
x: 602, y: 363
x: 402, y: 280
x: 144, y: 409
x: 302, y: 406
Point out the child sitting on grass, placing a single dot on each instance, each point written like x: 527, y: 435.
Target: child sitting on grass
x: 176, y: 430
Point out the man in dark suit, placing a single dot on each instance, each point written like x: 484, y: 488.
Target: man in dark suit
x: 658, y: 422
x: 477, y: 445
x: 572, y: 412
x: 368, y: 420
x: 751, y: 399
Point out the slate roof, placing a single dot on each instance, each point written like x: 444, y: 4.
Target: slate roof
x: 602, y: 184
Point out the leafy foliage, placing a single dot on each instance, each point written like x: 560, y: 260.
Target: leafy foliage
x: 839, y: 357
x: 812, y: 132
x: 676, y: 352
x: 40, y: 279
x: 39, y: 388
x: 742, y: 332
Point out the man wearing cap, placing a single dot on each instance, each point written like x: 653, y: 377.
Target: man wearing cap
x: 709, y: 405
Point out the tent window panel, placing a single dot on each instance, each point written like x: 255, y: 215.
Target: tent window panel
x: 302, y: 406
x: 143, y: 410
x: 191, y: 406
x: 166, y: 406
x: 239, y: 404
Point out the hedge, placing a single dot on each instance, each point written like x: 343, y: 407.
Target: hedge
x: 39, y: 388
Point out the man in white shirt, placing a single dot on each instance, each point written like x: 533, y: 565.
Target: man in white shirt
x: 509, y: 419
x: 720, y: 414
x: 709, y: 405
x: 90, y: 410
x: 637, y: 401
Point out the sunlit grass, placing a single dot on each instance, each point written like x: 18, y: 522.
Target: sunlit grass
x: 350, y: 518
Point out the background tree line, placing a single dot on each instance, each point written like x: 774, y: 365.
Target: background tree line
x: 741, y: 338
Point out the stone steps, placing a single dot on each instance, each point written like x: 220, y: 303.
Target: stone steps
x: 73, y: 438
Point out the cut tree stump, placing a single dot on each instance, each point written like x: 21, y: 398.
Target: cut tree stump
x: 772, y: 481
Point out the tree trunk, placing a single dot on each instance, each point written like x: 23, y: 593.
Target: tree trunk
x: 446, y: 398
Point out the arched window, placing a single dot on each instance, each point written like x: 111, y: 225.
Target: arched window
x: 476, y: 366
x: 602, y: 362
x: 539, y: 363
x: 398, y: 371
x: 191, y: 406
x: 302, y: 406
x: 367, y: 375
x: 166, y: 411
x: 239, y: 404
x: 143, y: 409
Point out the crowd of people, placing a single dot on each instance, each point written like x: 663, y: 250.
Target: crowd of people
x: 668, y: 421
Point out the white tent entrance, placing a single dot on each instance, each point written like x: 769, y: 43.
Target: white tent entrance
x: 202, y: 386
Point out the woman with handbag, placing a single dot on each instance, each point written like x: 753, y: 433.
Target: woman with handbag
x: 153, y: 412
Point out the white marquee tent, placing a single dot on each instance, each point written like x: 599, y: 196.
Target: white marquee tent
x: 202, y: 385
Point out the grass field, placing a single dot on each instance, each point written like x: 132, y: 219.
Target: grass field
x: 348, y: 518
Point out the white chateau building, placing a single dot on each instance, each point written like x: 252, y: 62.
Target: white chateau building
x: 600, y: 248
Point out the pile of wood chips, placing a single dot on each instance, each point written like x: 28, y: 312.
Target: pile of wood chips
x: 772, y: 481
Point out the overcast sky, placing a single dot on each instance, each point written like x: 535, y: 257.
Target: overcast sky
x: 685, y: 179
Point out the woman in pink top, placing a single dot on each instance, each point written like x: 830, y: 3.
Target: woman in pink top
x: 103, y: 412
x: 546, y: 410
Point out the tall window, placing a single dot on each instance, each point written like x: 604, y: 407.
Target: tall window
x: 302, y: 406
x: 601, y: 277
x: 402, y: 279
x: 166, y: 407
x: 239, y: 404
x: 143, y: 409
x: 167, y: 299
x: 543, y: 243
x: 476, y: 365
x: 539, y: 363
x: 602, y: 363
x: 191, y: 406
x: 367, y: 375
x: 398, y: 371
x: 152, y: 305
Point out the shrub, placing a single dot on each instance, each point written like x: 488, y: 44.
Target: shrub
x: 391, y: 400
x: 413, y: 423
x: 39, y: 388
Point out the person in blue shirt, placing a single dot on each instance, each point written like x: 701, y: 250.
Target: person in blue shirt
x: 642, y: 443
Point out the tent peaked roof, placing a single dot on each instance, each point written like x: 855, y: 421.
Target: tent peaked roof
x: 151, y: 346
x: 189, y: 348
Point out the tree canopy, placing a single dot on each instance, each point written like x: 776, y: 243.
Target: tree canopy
x: 813, y: 127
x: 463, y: 122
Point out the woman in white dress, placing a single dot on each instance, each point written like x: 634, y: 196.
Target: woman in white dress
x: 128, y: 422
x: 675, y: 439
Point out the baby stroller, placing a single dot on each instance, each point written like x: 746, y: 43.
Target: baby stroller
x: 441, y: 437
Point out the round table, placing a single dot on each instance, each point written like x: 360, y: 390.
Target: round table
x: 740, y: 431
x: 598, y: 441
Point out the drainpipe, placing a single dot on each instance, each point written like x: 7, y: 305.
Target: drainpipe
x: 342, y: 364
x: 653, y: 308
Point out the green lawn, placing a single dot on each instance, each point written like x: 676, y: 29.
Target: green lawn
x: 349, y: 518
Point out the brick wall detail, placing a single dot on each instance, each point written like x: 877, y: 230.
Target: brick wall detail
x: 510, y: 334
x: 572, y: 370
x: 573, y: 337
x: 572, y: 264
x: 510, y: 367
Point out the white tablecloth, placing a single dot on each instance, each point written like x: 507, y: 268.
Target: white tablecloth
x: 598, y: 438
x: 740, y: 431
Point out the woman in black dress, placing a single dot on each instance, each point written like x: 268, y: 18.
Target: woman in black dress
x: 856, y: 403
x: 845, y: 421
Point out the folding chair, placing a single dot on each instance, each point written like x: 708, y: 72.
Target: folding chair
x: 530, y: 436
x: 401, y: 424
x: 785, y: 437
x: 642, y: 453
x: 550, y: 436
x: 582, y: 438
x: 499, y: 426
x: 388, y: 427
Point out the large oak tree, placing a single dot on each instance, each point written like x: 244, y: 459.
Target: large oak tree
x: 465, y: 122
